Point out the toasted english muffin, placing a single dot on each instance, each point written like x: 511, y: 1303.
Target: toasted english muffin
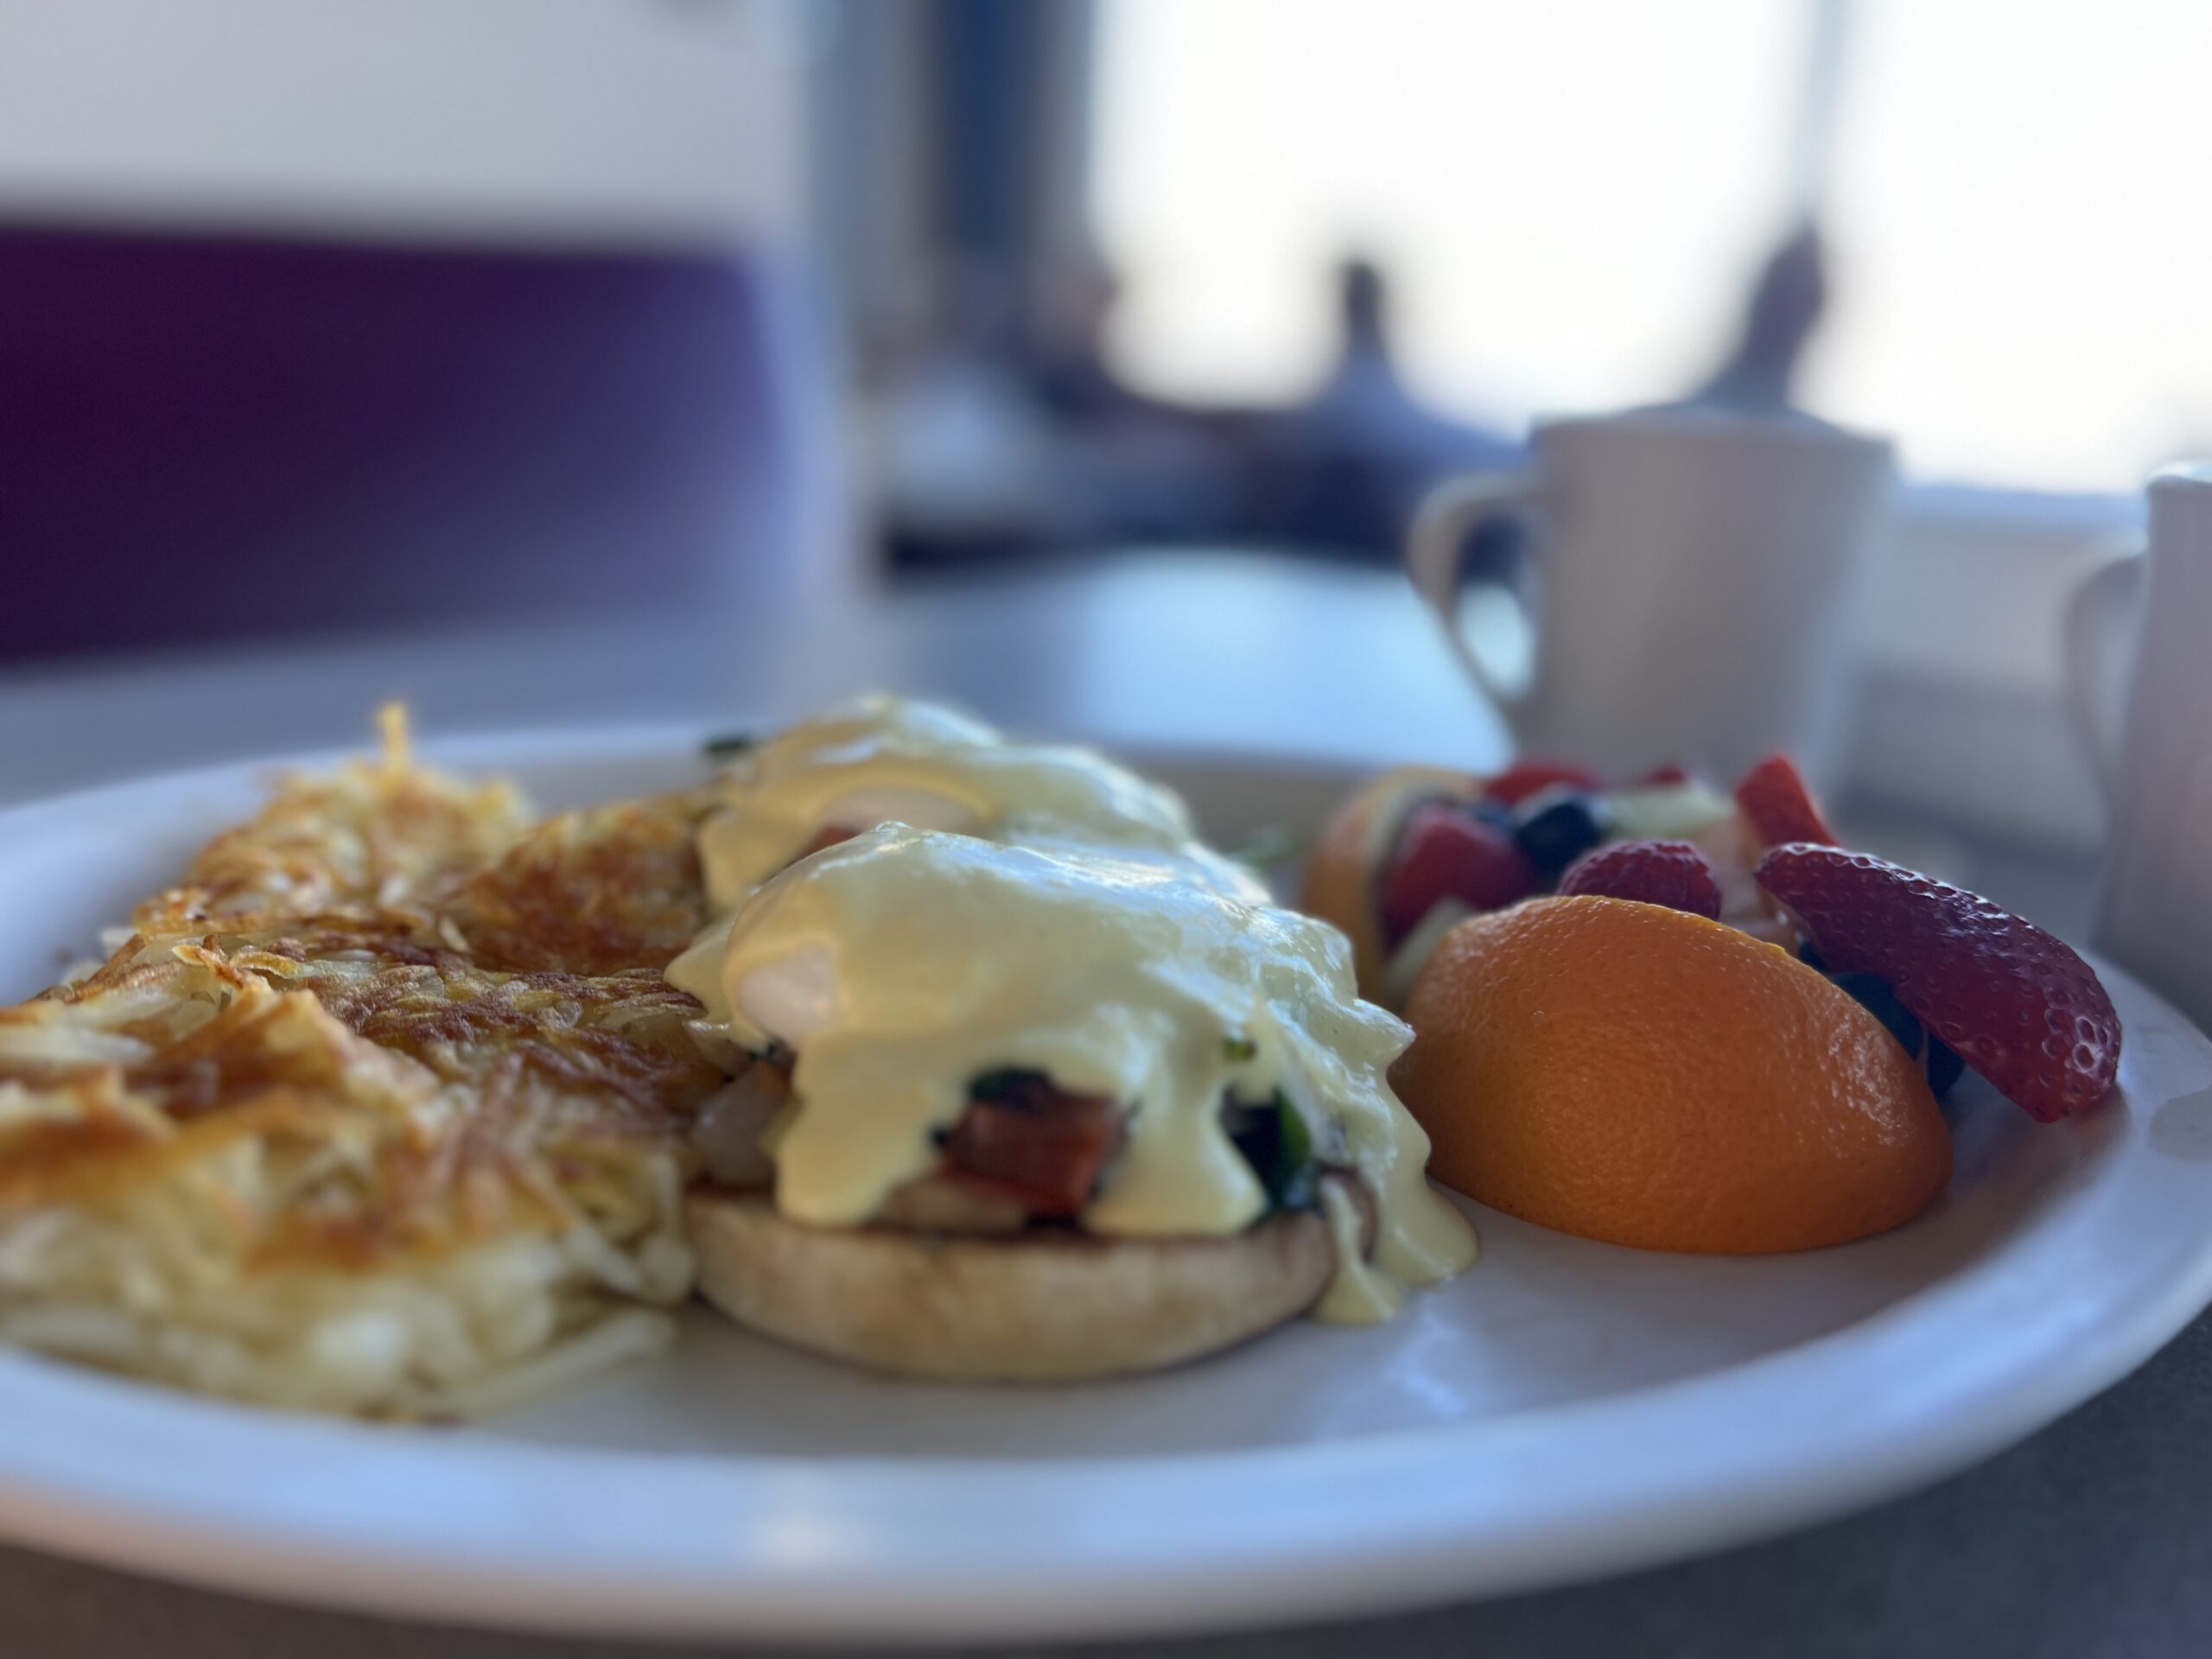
x: 1043, y: 1305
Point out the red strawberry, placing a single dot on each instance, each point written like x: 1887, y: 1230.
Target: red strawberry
x: 2019, y: 1007
x: 1447, y: 851
x: 1663, y: 777
x: 1524, y: 778
x: 1774, y: 797
x: 1670, y: 872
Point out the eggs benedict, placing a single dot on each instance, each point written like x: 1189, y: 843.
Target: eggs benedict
x: 1048, y: 1112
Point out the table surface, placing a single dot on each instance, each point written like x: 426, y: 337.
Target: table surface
x: 2091, y: 1537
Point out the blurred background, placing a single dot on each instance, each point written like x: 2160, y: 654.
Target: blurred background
x: 345, y: 323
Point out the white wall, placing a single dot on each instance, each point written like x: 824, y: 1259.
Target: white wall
x: 530, y: 120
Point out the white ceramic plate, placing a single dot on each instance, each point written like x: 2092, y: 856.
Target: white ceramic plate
x: 1566, y: 1409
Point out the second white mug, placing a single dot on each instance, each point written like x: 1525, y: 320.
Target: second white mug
x: 2154, y: 914
x: 1691, y: 572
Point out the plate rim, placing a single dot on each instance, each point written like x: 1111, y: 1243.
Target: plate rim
x: 786, y: 1547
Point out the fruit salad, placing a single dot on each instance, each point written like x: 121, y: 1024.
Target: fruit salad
x: 1788, y: 1033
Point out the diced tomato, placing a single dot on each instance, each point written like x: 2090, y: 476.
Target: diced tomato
x: 1447, y: 852
x: 1037, y: 1145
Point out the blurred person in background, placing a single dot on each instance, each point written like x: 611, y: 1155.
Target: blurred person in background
x: 1344, y: 469
x: 1004, y: 426
x: 1760, y: 374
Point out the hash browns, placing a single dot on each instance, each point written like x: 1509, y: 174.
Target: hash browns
x: 383, y: 1109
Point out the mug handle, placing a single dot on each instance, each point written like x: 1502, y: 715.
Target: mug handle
x: 1451, y: 513
x: 2093, y: 618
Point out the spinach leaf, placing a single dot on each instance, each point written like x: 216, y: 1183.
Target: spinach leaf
x: 1275, y: 1139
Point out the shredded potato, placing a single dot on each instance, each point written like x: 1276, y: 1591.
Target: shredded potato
x: 375, y: 833
x: 298, y: 1143
x: 595, y: 891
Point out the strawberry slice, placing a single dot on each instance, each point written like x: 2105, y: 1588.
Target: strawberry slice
x: 1447, y: 851
x: 1524, y: 778
x: 1773, y: 796
x: 1670, y: 872
x: 2019, y: 1005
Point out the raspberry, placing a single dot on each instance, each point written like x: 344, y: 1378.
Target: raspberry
x: 2018, y: 1005
x: 1669, y: 873
x: 1774, y: 797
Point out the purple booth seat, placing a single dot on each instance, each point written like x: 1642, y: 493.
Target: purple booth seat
x: 206, y: 437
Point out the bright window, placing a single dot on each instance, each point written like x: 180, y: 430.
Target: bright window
x: 1571, y: 197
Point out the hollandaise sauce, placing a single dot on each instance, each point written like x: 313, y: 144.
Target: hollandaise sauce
x: 883, y: 759
x: 902, y: 965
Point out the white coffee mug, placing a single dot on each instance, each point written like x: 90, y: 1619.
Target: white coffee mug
x: 1691, y: 572
x: 2154, y: 913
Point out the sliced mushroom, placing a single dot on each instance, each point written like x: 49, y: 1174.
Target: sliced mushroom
x: 732, y: 1120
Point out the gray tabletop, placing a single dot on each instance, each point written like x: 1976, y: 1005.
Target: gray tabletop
x: 2090, y: 1538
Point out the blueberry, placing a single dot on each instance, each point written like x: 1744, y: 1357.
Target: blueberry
x: 1944, y: 1065
x: 1874, y: 995
x: 1557, y: 825
x: 1810, y: 957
